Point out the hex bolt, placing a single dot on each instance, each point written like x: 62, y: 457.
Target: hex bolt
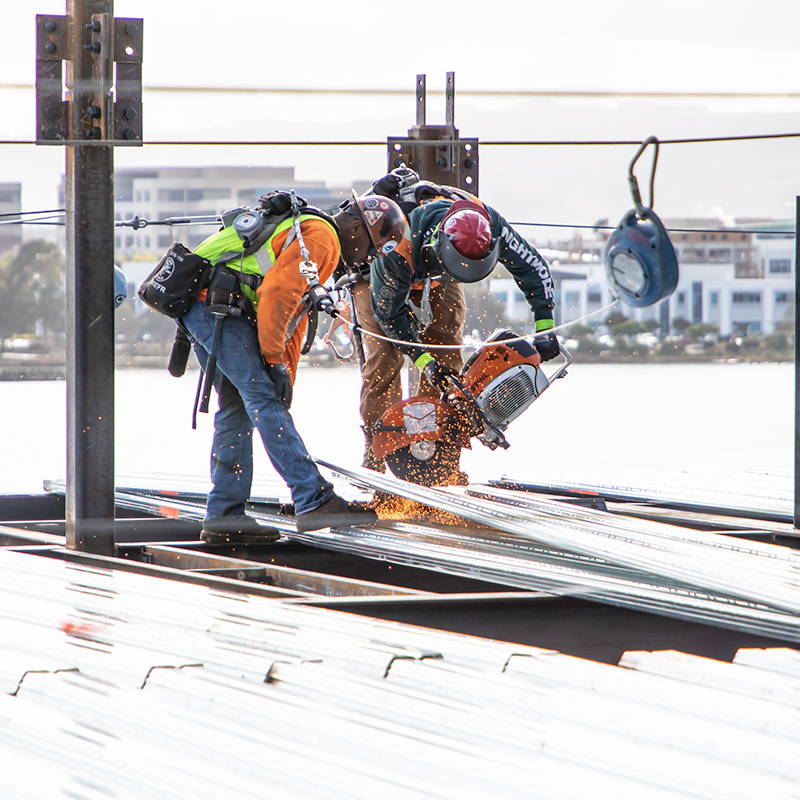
x: 94, y: 133
x: 130, y: 28
x: 441, y: 162
x: 93, y: 26
x: 469, y: 163
x: 129, y: 133
x: 92, y: 47
x: 50, y: 47
x: 129, y: 113
x: 95, y: 111
x: 50, y: 26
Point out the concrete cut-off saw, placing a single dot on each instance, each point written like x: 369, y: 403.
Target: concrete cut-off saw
x: 421, y: 437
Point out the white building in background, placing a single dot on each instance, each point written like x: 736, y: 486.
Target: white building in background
x: 740, y: 282
x: 162, y: 192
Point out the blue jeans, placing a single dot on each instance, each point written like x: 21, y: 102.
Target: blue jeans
x: 247, y: 400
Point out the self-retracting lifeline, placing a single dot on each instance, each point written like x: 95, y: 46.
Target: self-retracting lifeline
x: 641, y: 265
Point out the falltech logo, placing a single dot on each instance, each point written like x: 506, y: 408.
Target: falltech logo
x: 166, y: 271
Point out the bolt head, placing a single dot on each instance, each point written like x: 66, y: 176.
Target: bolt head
x: 50, y: 26
x: 50, y: 47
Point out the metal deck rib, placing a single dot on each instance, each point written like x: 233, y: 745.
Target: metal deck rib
x: 768, y: 496
x: 561, y: 549
x: 116, y: 684
x: 758, y: 573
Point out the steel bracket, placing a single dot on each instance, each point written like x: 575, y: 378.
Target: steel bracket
x: 108, y: 108
x: 51, y: 50
x: 436, y: 152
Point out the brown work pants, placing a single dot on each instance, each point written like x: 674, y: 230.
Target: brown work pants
x: 380, y: 375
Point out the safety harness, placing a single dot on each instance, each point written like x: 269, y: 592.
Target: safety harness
x: 237, y: 274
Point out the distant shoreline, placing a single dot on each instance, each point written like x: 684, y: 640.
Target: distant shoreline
x: 31, y: 371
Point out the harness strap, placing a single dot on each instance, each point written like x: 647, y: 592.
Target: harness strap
x: 311, y: 331
x: 423, y: 313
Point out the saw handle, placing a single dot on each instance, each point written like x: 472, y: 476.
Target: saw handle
x: 502, y: 441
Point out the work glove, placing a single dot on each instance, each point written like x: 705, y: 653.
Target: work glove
x: 390, y: 185
x: 279, y: 375
x: 546, y: 345
x: 436, y: 373
x: 320, y: 299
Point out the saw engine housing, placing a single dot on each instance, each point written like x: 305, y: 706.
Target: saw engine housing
x: 421, y: 437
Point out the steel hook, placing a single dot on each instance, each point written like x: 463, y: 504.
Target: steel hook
x: 634, y: 184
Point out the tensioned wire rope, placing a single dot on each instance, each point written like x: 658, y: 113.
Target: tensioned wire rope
x: 417, y: 142
x: 389, y: 339
x: 541, y: 93
x: 56, y: 217
x: 607, y: 142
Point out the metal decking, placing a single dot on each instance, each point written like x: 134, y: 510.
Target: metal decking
x: 177, y: 669
x: 119, y: 685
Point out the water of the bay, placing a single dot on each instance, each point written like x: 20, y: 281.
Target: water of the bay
x: 651, y: 419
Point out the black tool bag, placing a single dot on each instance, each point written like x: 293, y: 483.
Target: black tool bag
x: 173, y: 284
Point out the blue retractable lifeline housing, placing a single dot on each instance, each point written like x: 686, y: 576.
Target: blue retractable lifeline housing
x: 641, y: 265
x: 120, y: 287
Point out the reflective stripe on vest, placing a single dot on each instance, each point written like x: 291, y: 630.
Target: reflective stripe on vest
x: 258, y: 263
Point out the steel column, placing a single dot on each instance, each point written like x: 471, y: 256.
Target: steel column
x: 90, y: 282
x: 797, y: 365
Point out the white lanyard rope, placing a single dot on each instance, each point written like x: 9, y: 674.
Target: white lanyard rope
x: 477, y: 346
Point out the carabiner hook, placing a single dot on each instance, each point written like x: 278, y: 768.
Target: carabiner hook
x: 341, y: 321
x: 634, y: 184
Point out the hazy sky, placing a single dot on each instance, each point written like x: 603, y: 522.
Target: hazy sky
x: 706, y: 45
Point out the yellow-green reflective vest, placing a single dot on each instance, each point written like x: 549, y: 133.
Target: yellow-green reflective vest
x: 258, y: 263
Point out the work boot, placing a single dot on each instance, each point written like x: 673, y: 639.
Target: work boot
x: 370, y: 460
x: 335, y: 513
x: 237, y: 529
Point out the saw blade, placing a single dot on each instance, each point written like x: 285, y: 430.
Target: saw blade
x: 435, y: 469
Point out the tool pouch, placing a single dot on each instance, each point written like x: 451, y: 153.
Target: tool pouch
x: 170, y: 288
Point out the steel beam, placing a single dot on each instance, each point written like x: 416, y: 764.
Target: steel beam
x: 221, y: 583
x: 307, y: 581
x: 797, y: 364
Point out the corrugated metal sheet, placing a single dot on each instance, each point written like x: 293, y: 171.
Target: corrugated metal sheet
x: 541, y: 544
x: 753, y: 494
x: 127, y: 686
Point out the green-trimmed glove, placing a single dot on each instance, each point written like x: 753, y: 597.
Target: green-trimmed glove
x: 436, y: 373
x: 547, y: 345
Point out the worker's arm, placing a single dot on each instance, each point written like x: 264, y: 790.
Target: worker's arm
x: 283, y: 286
x: 528, y: 268
x: 390, y: 284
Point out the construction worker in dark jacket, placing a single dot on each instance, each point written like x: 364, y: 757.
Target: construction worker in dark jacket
x: 257, y: 360
x: 415, y: 293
